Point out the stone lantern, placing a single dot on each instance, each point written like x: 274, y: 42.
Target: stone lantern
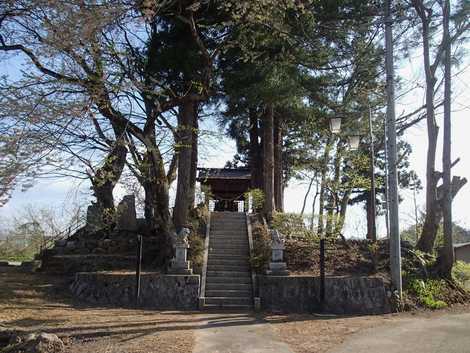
x: 180, y: 264
x: 277, y: 266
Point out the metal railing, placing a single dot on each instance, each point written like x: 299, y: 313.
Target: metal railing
x: 48, y: 242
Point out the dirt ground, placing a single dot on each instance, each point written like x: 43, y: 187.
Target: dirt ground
x: 35, y: 302
x: 319, y: 333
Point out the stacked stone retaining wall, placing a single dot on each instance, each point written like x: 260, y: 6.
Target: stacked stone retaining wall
x: 343, y: 295
x: 158, y: 291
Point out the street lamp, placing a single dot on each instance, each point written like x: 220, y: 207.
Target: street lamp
x: 353, y: 142
x: 335, y: 125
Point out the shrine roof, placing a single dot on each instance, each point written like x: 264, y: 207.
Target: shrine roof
x: 224, y: 173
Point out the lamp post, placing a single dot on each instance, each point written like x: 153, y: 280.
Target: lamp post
x: 353, y: 143
x: 335, y: 125
x: 372, y: 232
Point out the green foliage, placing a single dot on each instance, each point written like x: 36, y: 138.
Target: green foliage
x: 291, y: 224
x: 461, y: 273
x: 257, y: 196
x: 427, y: 292
x: 196, y: 251
x: 10, y: 252
x: 261, y: 248
x: 198, y: 218
x: 374, y: 250
x: 206, y: 190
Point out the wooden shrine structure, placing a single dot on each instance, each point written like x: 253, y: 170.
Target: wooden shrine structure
x: 227, y: 186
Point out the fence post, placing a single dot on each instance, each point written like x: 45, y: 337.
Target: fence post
x: 138, y: 268
x: 322, y: 273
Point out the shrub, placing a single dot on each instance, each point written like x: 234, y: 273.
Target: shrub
x: 428, y: 291
x: 291, y: 224
x: 261, y: 248
x: 196, y: 252
x: 257, y: 196
x: 461, y: 273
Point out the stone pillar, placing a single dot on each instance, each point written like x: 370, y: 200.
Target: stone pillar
x: 126, y: 214
x: 94, y: 217
x: 277, y: 266
x: 180, y: 264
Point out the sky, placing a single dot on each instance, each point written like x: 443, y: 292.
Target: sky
x: 61, y: 194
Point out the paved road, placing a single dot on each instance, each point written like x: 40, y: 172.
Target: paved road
x: 441, y: 334
x: 237, y: 333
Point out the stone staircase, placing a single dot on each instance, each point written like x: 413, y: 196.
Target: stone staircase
x: 228, y: 276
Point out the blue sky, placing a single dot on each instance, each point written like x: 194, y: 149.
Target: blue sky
x: 60, y: 193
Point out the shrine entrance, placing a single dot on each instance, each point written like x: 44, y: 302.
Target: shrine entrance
x: 227, y: 186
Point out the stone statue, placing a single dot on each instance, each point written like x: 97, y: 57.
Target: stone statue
x: 181, y: 238
x: 277, y: 266
x: 180, y: 264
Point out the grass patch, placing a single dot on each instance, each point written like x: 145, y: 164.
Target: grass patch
x: 428, y: 292
x: 261, y: 248
x: 461, y: 274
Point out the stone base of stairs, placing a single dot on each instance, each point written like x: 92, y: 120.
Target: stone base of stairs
x: 228, y: 276
x: 71, y: 264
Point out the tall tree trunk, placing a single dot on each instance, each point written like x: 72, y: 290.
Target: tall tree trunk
x: 194, y: 156
x: 278, y: 166
x: 341, y: 216
x: 429, y: 232
x: 304, y: 204
x: 255, y: 151
x: 369, y: 215
x: 107, y: 176
x: 323, y: 176
x: 184, y: 150
x: 268, y: 170
x: 314, y: 203
x: 156, y: 205
x: 447, y: 257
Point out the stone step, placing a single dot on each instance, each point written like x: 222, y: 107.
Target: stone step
x: 221, y: 253
x: 224, y: 254
x: 230, y: 225
x: 229, y: 250
x: 225, y: 267
x: 228, y: 222
x: 223, y: 246
x: 228, y: 238
x: 224, y: 240
x: 221, y: 261
x: 224, y: 301
x: 242, y: 274
x: 228, y: 307
x: 228, y: 233
x: 221, y: 256
x: 228, y: 286
x: 232, y: 293
x: 215, y: 280
x: 69, y: 264
x: 221, y: 242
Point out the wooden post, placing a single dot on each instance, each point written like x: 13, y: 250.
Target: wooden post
x: 395, y: 252
x: 322, y: 273
x: 138, y: 268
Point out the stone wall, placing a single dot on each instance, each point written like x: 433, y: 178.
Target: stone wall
x: 158, y: 291
x: 343, y: 295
